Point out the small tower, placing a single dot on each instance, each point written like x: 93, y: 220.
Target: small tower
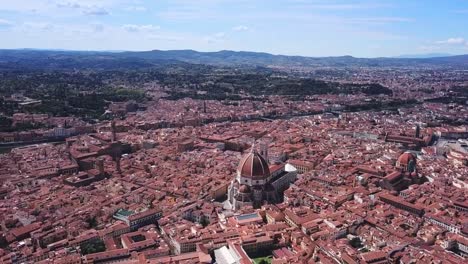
x: 100, y: 165
x: 117, y: 164
x: 114, y: 136
x: 418, y: 131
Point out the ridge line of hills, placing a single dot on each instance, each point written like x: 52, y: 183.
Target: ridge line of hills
x: 63, y: 59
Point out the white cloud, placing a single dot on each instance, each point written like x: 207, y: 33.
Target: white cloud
x: 69, y: 5
x: 453, y: 41
x: 456, y: 42
x: 138, y: 28
x: 96, y: 11
x: 5, y: 23
x: 240, y: 28
x: 86, y: 9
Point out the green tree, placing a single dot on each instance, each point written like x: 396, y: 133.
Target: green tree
x: 92, y: 221
x: 204, y: 221
x: 92, y: 247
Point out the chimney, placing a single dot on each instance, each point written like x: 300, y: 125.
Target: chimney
x: 114, y: 137
x: 100, y: 165
x: 117, y: 164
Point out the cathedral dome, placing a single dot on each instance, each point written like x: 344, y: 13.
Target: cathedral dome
x: 253, y: 166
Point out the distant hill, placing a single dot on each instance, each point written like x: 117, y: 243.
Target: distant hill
x: 58, y: 59
x: 227, y: 57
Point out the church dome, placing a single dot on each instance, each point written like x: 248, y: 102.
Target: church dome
x: 253, y: 166
x: 406, y: 158
x: 407, y: 162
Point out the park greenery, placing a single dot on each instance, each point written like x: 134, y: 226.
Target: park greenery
x: 93, y: 246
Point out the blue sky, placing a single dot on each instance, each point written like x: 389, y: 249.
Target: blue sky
x: 295, y: 27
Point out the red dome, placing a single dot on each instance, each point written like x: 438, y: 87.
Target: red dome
x: 405, y: 158
x: 253, y: 166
